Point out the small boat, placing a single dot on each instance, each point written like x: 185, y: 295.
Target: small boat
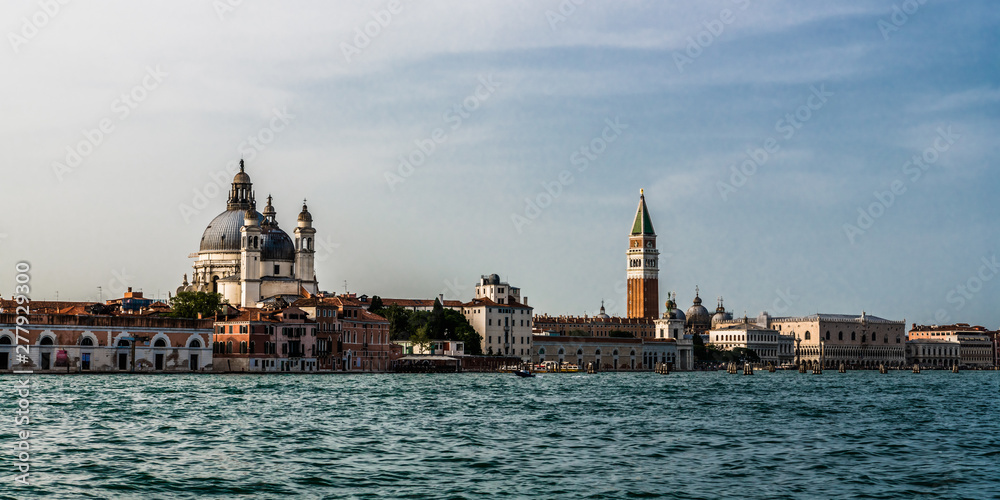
x: 524, y: 373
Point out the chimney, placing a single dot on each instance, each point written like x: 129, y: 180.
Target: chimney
x: 525, y: 302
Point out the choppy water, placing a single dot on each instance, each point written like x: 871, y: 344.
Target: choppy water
x: 685, y: 435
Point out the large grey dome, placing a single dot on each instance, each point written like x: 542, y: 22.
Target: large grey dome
x: 223, y: 233
x: 697, y: 315
x: 276, y: 245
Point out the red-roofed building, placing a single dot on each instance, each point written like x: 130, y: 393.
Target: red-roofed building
x: 263, y: 341
x: 362, y: 338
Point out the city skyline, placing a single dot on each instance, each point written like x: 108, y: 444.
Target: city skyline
x: 417, y: 152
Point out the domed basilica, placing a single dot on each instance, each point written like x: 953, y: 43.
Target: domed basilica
x: 248, y: 259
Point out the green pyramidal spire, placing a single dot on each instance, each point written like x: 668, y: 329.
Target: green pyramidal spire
x: 642, y: 224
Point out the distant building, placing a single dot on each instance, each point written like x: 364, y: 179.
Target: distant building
x: 362, y: 338
x: 600, y: 325
x: 506, y: 326
x: 81, y: 337
x: 435, y: 348
x: 262, y: 341
x: 247, y: 258
x: 769, y: 345
x: 608, y: 353
x: 935, y: 345
x: 643, y: 275
x: 831, y: 339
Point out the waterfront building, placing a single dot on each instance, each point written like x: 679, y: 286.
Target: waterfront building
x: 330, y: 346
x: 643, y: 275
x: 609, y: 353
x: 500, y: 317
x: 863, y: 341
x: 933, y: 352
x: 601, y: 325
x: 974, y: 343
x: 268, y: 341
x: 769, y: 345
x: 433, y: 348
x: 82, y: 337
x: 604, y: 353
x: 363, y: 343
x: 247, y: 258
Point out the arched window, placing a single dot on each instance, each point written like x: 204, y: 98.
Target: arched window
x: 46, y: 340
x: 561, y: 351
x: 5, y: 340
x: 874, y: 337
x: 615, y: 352
x: 541, y: 351
x: 196, y: 344
x: 252, y: 347
x: 597, y: 352
x: 229, y: 347
x: 840, y: 335
x: 579, y: 352
x: 808, y: 336
x: 86, y: 341
x: 897, y: 339
x: 123, y: 343
x: 828, y: 335
x: 243, y: 347
x: 160, y: 343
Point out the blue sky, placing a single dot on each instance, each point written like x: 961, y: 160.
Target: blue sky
x: 512, y: 90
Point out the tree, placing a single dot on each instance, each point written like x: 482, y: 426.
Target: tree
x: 421, y: 339
x: 376, y: 306
x: 399, y: 319
x: 619, y: 334
x: 578, y: 333
x: 190, y: 304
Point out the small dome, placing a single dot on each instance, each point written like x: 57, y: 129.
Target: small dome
x: 276, y: 245
x: 241, y: 176
x: 304, y: 215
x: 697, y: 315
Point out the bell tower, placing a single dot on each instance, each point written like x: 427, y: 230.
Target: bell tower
x: 643, y: 266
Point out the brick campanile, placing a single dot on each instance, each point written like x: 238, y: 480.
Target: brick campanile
x: 643, y: 266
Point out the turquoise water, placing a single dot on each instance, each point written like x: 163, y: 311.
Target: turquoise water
x: 685, y: 435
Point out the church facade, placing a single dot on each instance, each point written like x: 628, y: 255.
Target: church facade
x: 245, y: 256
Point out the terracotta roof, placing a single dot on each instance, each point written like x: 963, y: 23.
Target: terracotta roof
x: 484, y: 302
x: 420, y: 302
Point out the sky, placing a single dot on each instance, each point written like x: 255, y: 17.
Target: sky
x: 796, y: 157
